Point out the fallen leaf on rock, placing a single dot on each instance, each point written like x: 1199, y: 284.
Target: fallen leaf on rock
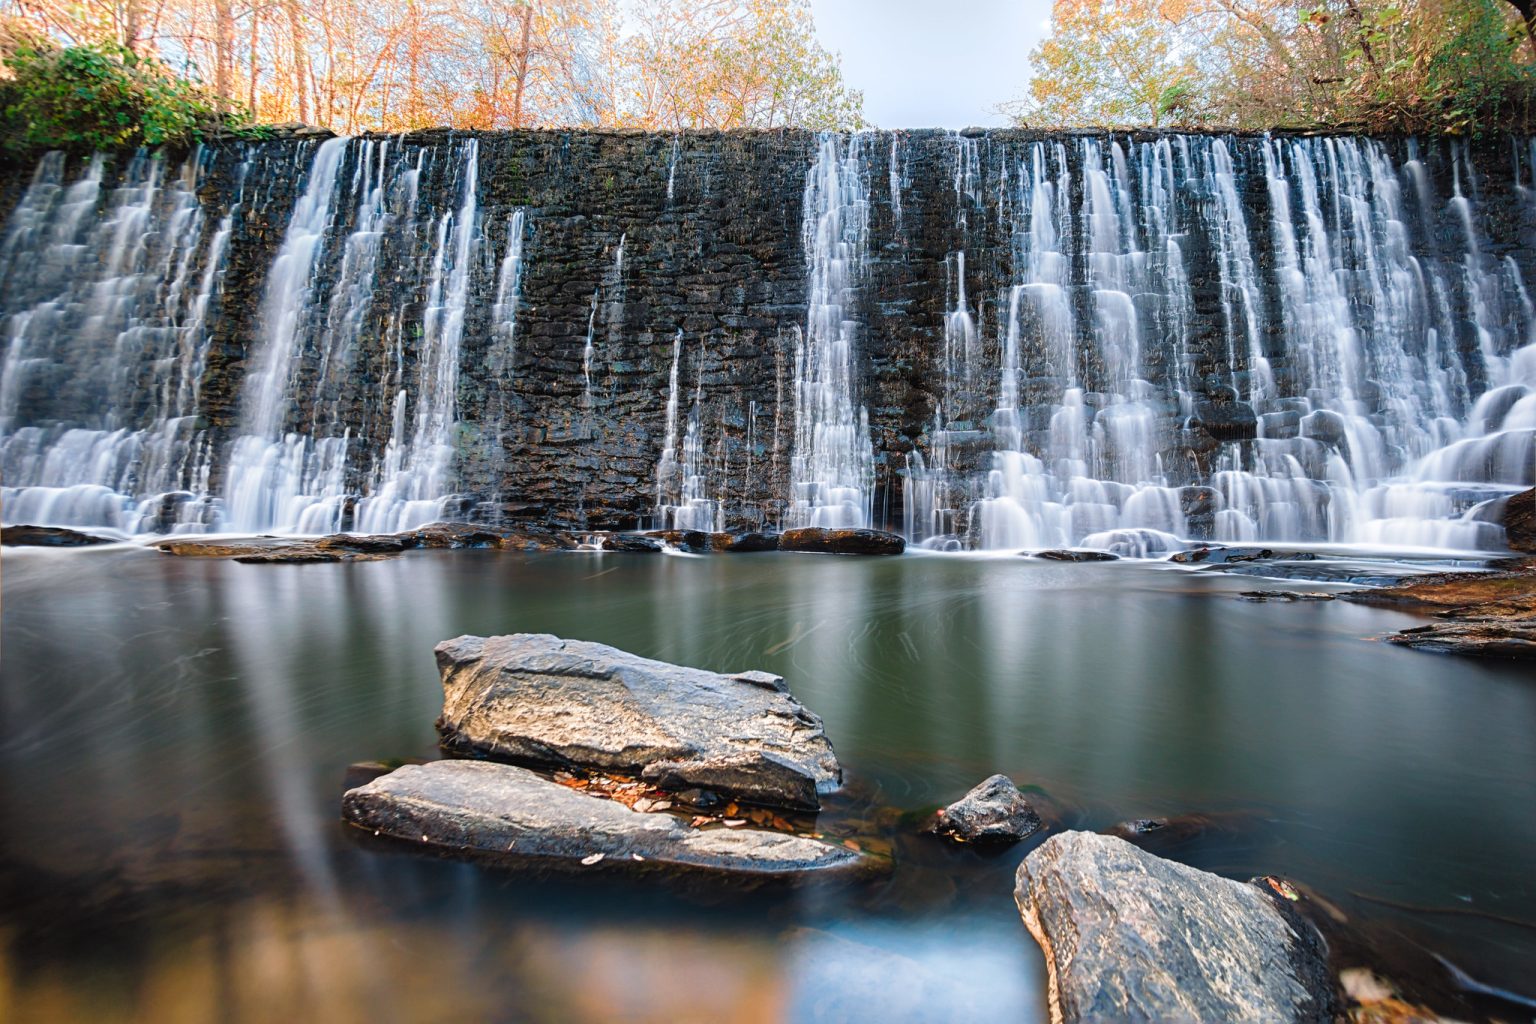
x: 851, y: 845
x: 700, y: 819
x: 593, y: 859
x: 734, y: 822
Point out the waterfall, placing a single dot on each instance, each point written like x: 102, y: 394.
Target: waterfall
x: 415, y: 475
x: 107, y: 294
x: 832, y: 465
x: 1129, y: 342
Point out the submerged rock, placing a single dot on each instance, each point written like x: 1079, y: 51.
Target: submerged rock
x: 1129, y: 936
x: 49, y: 537
x: 1076, y: 556
x: 993, y: 812
x: 1475, y: 639
x: 842, y: 542
x: 538, y: 698
x: 504, y: 814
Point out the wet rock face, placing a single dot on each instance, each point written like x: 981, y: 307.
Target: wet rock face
x: 537, y: 698
x: 1129, y: 936
x: 842, y: 542
x: 993, y: 812
x: 1520, y: 521
x: 504, y: 814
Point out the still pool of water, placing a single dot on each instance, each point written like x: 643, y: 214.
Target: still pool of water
x: 174, y: 733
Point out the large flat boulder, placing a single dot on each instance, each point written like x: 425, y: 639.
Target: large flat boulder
x: 487, y: 811
x: 1129, y: 936
x: 537, y: 698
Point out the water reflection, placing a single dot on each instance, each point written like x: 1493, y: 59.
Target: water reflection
x: 173, y: 734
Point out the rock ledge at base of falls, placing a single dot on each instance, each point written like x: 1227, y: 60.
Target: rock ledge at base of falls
x: 994, y: 811
x: 537, y: 698
x: 495, y: 812
x: 1484, y: 614
x: 1130, y: 936
x: 49, y: 537
x: 842, y: 542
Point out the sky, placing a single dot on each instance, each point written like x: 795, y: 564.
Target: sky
x: 934, y: 63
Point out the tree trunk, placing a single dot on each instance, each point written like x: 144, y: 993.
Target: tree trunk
x: 223, y: 52
x: 296, y: 35
x: 522, y: 66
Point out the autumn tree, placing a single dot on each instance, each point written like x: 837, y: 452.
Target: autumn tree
x: 1402, y: 65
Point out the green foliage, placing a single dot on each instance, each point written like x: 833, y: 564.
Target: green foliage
x: 102, y: 97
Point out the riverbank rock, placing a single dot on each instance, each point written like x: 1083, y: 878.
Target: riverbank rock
x: 1520, y: 521
x: 993, y: 812
x: 537, y: 698
x: 49, y: 537
x: 1129, y: 936
x: 842, y: 542
x: 496, y: 812
x: 1487, y: 614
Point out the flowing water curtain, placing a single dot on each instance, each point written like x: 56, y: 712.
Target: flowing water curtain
x: 832, y: 465
x: 296, y: 464
x: 108, y: 288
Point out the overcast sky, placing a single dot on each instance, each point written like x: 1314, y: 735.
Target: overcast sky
x: 933, y: 63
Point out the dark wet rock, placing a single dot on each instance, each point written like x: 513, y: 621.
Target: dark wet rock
x: 842, y: 542
x: 1128, y: 936
x: 308, y: 554
x: 1325, y: 427
x: 1221, y: 415
x: 1076, y: 556
x: 745, y: 543
x: 538, y: 698
x: 1475, y: 639
x: 993, y: 812
x: 693, y: 541
x: 1139, y: 827
x: 509, y: 815
x: 1285, y: 595
x: 456, y: 535
x: 49, y: 537
x: 632, y: 542
x: 1520, y: 521
x: 1191, y: 556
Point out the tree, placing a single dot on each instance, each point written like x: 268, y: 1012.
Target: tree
x: 1107, y: 62
x: 1391, y: 65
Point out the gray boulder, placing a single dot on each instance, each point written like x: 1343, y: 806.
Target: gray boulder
x: 538, y: 698
x: 486, y: 811
x: 995, y: 811
x: 1129, y: 936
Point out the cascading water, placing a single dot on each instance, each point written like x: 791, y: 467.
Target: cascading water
x: 107, y: 296
x: 832, y: 465
x: 1353, y: 426
x: 1127, y: 342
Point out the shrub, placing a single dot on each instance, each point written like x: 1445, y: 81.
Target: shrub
x: 101, y: 97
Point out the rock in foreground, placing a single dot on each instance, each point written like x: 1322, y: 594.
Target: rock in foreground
x: 993, y: 812
x: 49, y: 537
x: 842, y: 542
x: 500, y: 813
x: 538, y: 698
x: 1132, y: 937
